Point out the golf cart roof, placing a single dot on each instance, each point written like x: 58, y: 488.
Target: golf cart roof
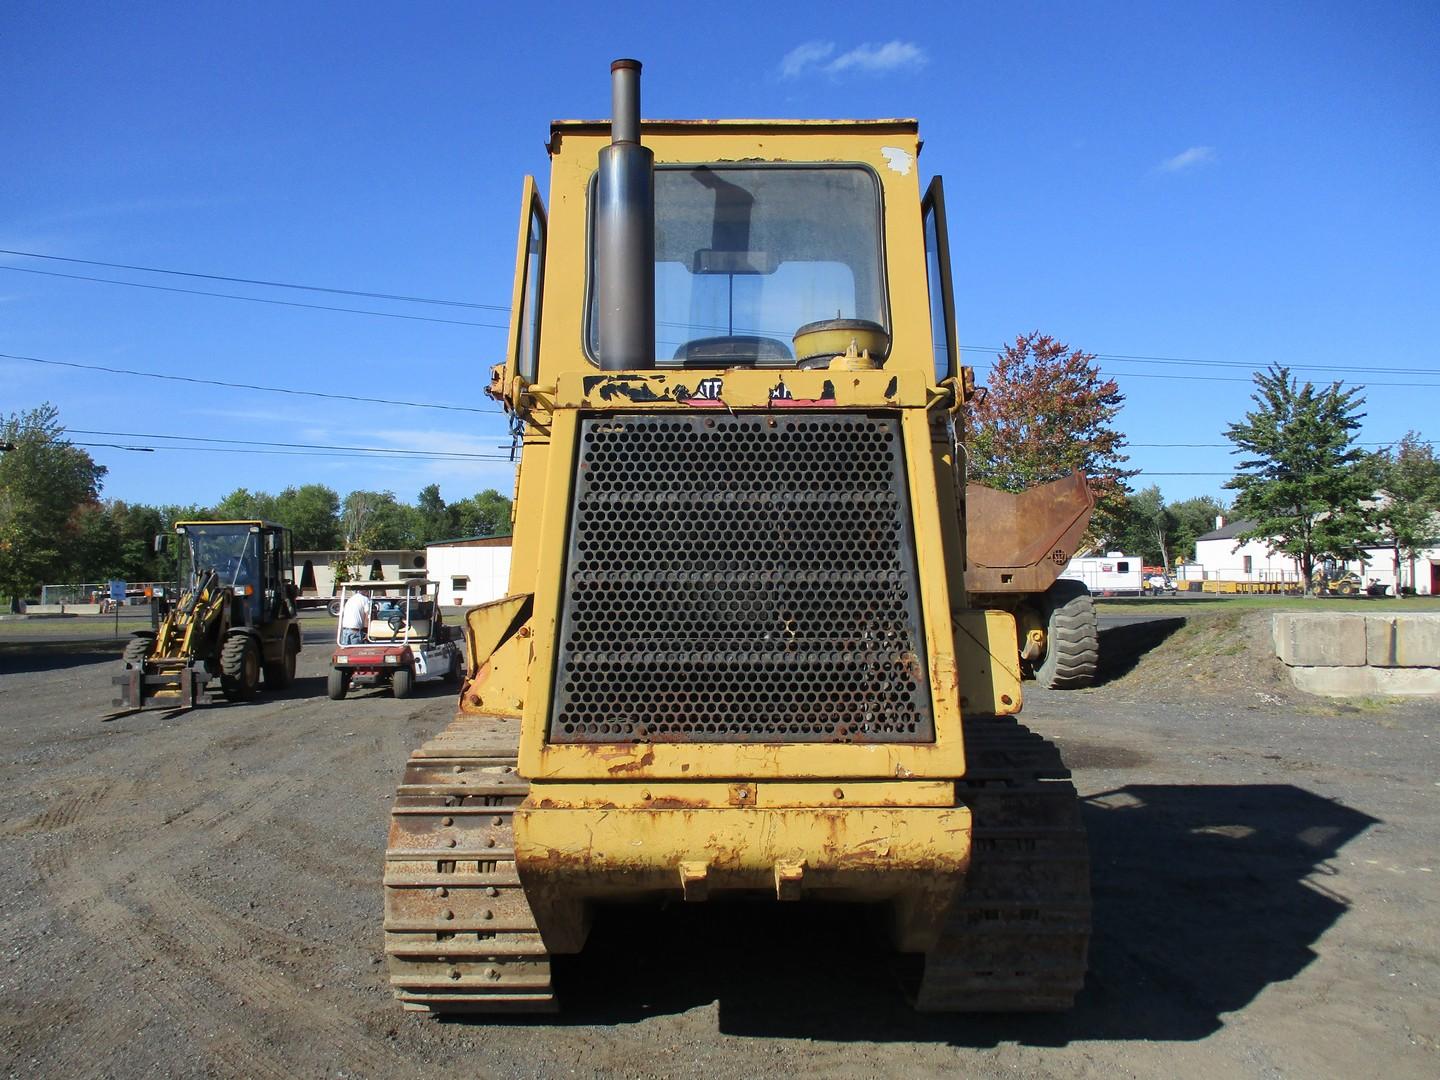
x: 388, y: 586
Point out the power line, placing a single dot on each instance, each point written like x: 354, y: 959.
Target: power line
x: 1347, y: 368
x: 1200, y: 445
x: 252, y: 299
x: 505, y: 309
x: 247, y: 386
x: 389, y: 450
x: 258, y: 281
x: 1237, y: 379
x: 484, y: 411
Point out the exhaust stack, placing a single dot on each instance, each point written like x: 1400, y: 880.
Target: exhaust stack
x: 625, y: 232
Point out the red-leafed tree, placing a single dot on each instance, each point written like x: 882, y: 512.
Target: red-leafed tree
x: 1047, y: 410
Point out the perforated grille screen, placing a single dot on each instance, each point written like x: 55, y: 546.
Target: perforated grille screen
x: 741, y: 578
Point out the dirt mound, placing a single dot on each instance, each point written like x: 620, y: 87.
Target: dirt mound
x: 1225, y: 654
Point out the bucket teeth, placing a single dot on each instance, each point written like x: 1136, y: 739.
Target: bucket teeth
x: 459, y: 934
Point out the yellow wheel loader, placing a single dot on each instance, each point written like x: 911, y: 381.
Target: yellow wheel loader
x: 737, y: 660
x: 1017, y: 544
x: 234, y: 619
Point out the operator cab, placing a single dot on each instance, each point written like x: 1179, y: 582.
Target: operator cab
x: 251, y: 558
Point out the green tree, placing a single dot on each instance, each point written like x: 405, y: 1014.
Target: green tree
x: 1304, y: 483
x: 389, y: 523
x: 243, y: 505
x: 93, y: 551
x: 486, y: 513
x: 1046, y: 412
x: 136, y: 526
x: 1407, y: 514
x: 44, y: 482
x: 312, y: 514
x: 173, y: 512
x: 373, y: 521
x: 434, y: 519
x: 1193, y: 517
x: 1149, y: 527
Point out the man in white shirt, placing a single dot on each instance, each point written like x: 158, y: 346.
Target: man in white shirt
x: 354, y: 617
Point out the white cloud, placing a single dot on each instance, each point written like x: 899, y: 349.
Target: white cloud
x: 1188, y: 159
x: 877, y: 58
x: 817, y: 57
x: 803, y: 57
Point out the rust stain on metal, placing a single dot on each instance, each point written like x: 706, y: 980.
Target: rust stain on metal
x: 628, y: 763
x: 675, y: 802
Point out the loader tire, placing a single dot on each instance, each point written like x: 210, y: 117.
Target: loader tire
x: 239, y: 668
x: 137, y: 650
x: 1072, y: 638
x: 282, y: 673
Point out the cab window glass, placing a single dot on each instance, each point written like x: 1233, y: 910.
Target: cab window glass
x: 528, y: 361
x: 937, y: 273
x: 746, y: 255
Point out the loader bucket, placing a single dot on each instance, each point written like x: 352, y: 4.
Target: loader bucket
x: 1020, y: 542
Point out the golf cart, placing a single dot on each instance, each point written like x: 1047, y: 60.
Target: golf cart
x: 405, y: 639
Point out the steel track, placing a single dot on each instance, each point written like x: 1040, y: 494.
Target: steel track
x: 1018, y: 932
x: 459, y: 933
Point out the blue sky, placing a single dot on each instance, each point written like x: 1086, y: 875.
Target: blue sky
x: 1232, y: 184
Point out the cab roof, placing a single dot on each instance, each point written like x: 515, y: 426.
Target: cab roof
x: 407, y: 583
x: 894, y: 125
x: 260, y: 522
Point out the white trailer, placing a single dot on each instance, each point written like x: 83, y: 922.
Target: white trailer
x: 1107, y: 575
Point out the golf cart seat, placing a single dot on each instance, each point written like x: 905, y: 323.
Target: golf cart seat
x: 418, y: 629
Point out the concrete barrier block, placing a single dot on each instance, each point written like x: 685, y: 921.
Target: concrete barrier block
x: 1380, y: 640
x: 1319, y: 639
x: 1417, y: 640
x: 1367, y: 681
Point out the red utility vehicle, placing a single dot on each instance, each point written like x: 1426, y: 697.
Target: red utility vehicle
x: 406, y: 640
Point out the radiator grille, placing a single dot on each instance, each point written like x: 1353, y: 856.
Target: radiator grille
x: 743, y: 578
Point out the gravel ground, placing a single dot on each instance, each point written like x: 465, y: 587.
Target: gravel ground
x: 199, y: 895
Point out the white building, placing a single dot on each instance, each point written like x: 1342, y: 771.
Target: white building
x: 315, y: 570
x: 471, y: 570
x: 1220, y: 556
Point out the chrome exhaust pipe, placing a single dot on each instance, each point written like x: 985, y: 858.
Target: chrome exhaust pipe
x: 625, y: 232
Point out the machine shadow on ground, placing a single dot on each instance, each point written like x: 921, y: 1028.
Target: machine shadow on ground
x: 1121, y: 647
x: 35, y: 656
x: 1204, y: 896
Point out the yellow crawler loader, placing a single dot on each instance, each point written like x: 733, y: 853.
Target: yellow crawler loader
x: 737, y: 659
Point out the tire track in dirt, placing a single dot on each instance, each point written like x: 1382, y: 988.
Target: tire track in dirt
x: 124, y: 865
x: 148, y: 918
x: 127, y: 952
x: 124, y: 888
x: 85, y: 797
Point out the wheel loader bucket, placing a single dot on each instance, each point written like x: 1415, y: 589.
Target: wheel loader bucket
x: 170, y: 686
x: 1020, y: 542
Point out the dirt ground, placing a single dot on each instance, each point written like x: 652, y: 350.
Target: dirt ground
x: 199, y: 895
